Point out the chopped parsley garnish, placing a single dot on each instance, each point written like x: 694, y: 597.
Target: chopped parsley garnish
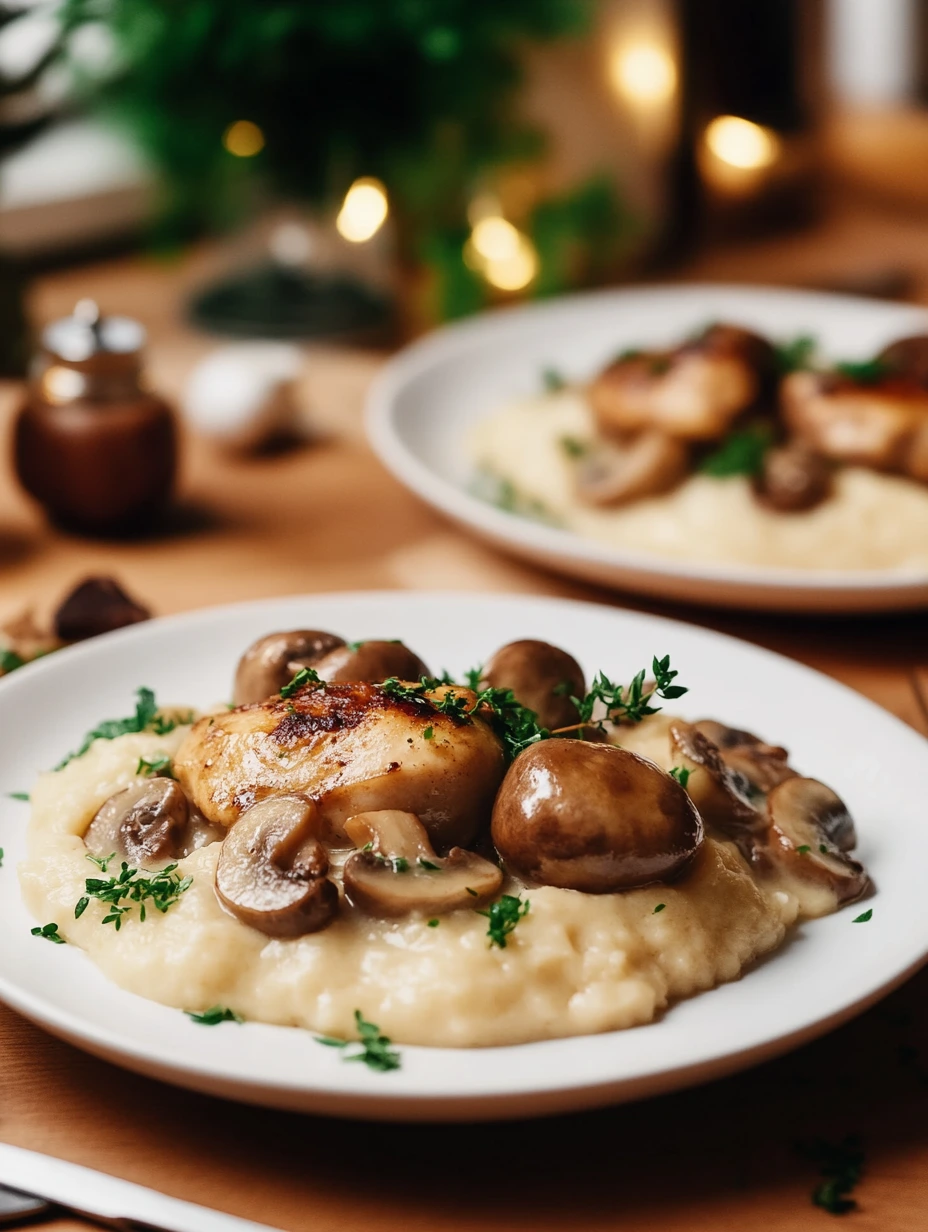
x: 681, y: 774
x: 803, y: 850
x: 660, y: 907
x: 1, y: 857
x: 102, y: 862
x: 306, y: 675
x: 865, y: 371
x: 796, y: 354
x: 50, y: 933
x: 146, y: 718
x: 552, y: 380
x: 504, y: 915
x: 428, y: 733
x: 214, y: 1016
x: 19, y: 795
x: 10, y: 660
x: 741, y: 453
x: 573, y: 447
x: 400, y: 864
x: 842, y: 1166
x: 427, y: 864
x: 162, y: 890
x: 863, y: 917
x: 434, y: 923
x: 375, y: 1052
x: 823, y: 849
x: 158, y: 766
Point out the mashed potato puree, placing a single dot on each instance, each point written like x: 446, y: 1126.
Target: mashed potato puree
x: 576, y: 964
x: 872, y: 521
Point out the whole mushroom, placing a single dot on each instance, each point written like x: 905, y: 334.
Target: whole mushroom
x: 373, y: 661
x: 272, y: 661
x: 148, y: 823
x: 792, y: 479
x: 593, y: 817
x: 273, y: 869
x: 397, y: 871
x: 542, y: 678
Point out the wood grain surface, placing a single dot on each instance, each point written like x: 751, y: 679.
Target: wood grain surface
x: 731, y: 1155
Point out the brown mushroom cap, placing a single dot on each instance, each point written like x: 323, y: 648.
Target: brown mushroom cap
x: 722, y: 795
x: 615, y: 473
x: 148, y: 823
x: 908, y: 357
x: 542, y: 677
x: 272, y: 661
x: 369, y: 661
x: 593, y: 817
x: 272, y: 870
x: 810, y: 831
x: 792, y: 479
x: 762, y: 765
x: 398, y: 872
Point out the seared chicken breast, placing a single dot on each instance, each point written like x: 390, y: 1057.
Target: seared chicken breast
x: 352, y: 748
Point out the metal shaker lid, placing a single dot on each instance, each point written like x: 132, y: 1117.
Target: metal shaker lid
x: 86, y: 333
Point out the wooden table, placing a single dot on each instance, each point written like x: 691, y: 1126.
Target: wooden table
x: 326, y: 517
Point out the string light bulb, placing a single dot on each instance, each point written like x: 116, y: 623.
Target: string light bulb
x: 742, y: 143
x: 244, y: 139
x: 364, y: 210
x: 644, y: 72
x: 503, y: 254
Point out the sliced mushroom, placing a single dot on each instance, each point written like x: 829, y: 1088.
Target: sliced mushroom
x: 694, y: 392
x: 148, y: 823
x: 272, y: 870
x: 792, y: 479
x: 542, y: 677
x: 810, y: 832
x: 272, y: 661
x: 369, y: 661
x: 593, y: 817
x: 615, y: 473
x: 883, y: 425
x: 398, y: 872
x: 761, y: 765
x: 722, y: 795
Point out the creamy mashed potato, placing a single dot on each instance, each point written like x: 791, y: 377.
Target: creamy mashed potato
x: 872, y: 521
x: 575, y: 964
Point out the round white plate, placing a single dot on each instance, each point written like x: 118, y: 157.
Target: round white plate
x: 425, y: 402
x: 830, y: 970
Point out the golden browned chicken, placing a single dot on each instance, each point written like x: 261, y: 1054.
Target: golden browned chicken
x: 352, y: 748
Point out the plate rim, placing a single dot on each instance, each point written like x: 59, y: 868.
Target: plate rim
x: 452, y: 1103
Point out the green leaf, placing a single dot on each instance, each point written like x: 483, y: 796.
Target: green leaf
x: 213, y: 1016
x: 375, y: 1051
x: 660, y: 907
x: 504, y: 915
x: 865, y: 371
x: 49, y: 932
x: 863, y: 917
x: 306, y: 675
x: 796, y: 354
x: 741, y: 453
x: 146, y: 716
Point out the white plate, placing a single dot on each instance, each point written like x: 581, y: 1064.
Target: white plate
x: 428, y: 397
x: 831, y: 970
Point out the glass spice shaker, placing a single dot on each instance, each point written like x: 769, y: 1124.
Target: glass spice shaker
x: 92, y: 444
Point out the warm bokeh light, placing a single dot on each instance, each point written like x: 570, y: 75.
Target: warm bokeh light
x: 741, y: 143
x: 644, y: 72
x: 363, y: 211
x: 243, y: 139
x: 502, y: 254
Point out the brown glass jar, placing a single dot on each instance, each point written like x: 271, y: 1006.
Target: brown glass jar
x: 92, y: 444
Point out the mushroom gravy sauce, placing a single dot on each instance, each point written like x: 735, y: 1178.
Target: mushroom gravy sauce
x: 870, y: 520
x: 578, y: 963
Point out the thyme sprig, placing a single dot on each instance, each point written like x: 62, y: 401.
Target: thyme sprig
x: 375, y: 1052
x: 631, y: 703
x: 49, y: 932
x: 119, y: 893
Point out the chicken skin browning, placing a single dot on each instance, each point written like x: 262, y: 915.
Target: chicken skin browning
x: 352, y: 748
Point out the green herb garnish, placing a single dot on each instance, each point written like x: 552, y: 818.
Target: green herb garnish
x: 214, y: 1016
x: 102, y: 862
x: 660, y: 907
x: 803, y: 850
x: 573, y: 447
x: 741, y: 453
x: 19, y: 795
x: 10, y: 661
x: 842, y: 1166
x: 796, y: 354
x: 434, y: 923
x: 158, y: 766
x: 863, y: 917
x: 306, y: 675
x: 146, y: 717
x: 632, y: 703
x: 428, y: 733
x: 865, y: 371
x: 681, y: 774
x: 427, y: 864
x: 375, y: 1053
x: 1, y: 857
x: 50, y: 933
x: 504, y: 915
x: 552, y: 380
x: 162, y: 890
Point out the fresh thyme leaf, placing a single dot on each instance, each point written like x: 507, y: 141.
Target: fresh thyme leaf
x: 553, y: 380
x: 434, y: 923
x: 631, y: 703
x: 795, y: 354
x: 400, y: 864
x: 10, y: 660
x: 1, y: 857
x: 19, y: 795
x: 504, y: 915
x: 741, y: 453
x: 427, y: 864
x: 355, y: 646
x: 214, y: 1016
x: 660, y: 907
x: 865, y: 371
x: 573, y: 446
x: 162, y: 891
x: 681, y: 774
x: 473, y: 676
x: 49, y: 932
x: 306, y: 675
x: 428, y: 733
x: 803, y: 850
x: 102, y: 862
x: 863, y: 917
x: 158, y: 766
x: 841, y: 1165
x: 823, y: 849
x: 375, y: 1051
x: 146, y: 716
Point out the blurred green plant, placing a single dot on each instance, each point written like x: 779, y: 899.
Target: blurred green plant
x: 419, y: 93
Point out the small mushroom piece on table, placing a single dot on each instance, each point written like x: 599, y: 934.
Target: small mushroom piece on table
x: 148, y: 823
x: 273, y: 869
x: 542, y: 677
x: 272, y: 661
x: 397, y: 872
x: 593, y: 817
